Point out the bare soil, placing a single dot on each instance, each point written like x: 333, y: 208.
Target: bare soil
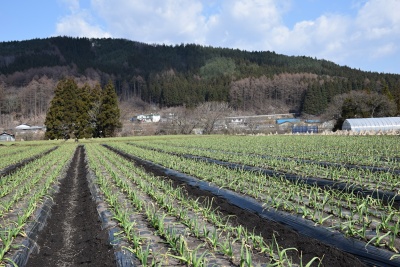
x: 73, y: 234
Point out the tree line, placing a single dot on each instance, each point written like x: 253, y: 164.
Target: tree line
x: 82, y: 112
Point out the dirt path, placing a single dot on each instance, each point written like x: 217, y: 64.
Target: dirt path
x: 73, y: 234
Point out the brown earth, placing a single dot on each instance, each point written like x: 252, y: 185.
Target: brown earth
x: 73, y: 235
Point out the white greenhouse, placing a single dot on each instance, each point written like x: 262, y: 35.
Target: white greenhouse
x: 372, y: 124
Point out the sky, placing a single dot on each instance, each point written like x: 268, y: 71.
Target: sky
x: 361, y: 34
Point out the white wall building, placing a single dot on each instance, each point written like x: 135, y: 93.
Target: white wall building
x: 149, y: 117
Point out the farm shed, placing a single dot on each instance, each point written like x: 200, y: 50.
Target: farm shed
x: 312, y: 121
x: 372, y: 124
x: 7, y: 137
x: 289, y: 120
x: 23, y: 127
x: 27, y: 128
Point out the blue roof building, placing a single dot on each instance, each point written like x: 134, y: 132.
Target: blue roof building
x: 289, y: 120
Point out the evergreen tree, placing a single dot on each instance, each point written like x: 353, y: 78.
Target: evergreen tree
x: 315, y: 100
x: 83, y: 105
x: 108, y: 118
x: 386, y: 92
x: 311, y: 99
x: 82, y: 112
x: 62, y: 115
x: 94, y: 110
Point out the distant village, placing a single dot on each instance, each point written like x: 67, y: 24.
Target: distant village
x: 287, y: 123
x: 281, y: 123
x: 245, y: 124
x: 253, y: 124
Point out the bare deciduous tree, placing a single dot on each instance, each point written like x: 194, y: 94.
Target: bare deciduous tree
x: 184, y: 120
x: 208, y: 113
x: 280, y: 93
x: 359, y: 104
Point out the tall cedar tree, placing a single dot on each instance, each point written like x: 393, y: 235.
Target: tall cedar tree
x: 62, y: 115
x: 82, y: 128
x: 82, y: 112
x: 108, y: 118
x: 94, y: 109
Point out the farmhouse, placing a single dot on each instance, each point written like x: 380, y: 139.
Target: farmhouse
x: 148, y: 118
x: 372, y: 124
x: 237, y: 120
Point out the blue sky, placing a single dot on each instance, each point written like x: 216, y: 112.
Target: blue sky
x: 362, y: 34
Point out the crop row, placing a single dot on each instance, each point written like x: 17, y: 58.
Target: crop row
x: 23, y: 191
x: 11, y: 155
x: 182, y: 228
x: 361, y: 150
x: 368, y: 219
x: 361, y: 177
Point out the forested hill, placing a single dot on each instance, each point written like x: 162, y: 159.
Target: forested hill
x: 188, y: 74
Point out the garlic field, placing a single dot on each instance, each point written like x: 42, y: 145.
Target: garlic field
x: 218, y: 200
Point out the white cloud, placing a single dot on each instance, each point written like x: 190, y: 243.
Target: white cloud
x: 76, y: 25
x: 245, y: 24
x: 72, y: 5
x: 154, y: 21
x: 79, y: 23
x: 326, y: 37
x: 376, y: 13
x: 373, y: 33
x: 256, y: 13
x: 378, y: 21
x: 385, y: 50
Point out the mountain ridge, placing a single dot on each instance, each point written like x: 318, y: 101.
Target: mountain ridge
x: 185, y: 74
